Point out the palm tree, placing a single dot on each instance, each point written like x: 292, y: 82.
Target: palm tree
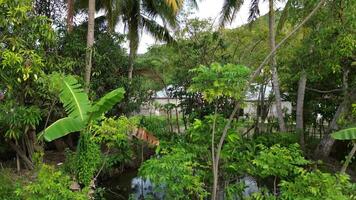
x: 138, y: 15
x: 90, y: 43
x: 228, y: 13
x: 70, y: 15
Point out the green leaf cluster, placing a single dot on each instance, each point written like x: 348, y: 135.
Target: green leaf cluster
x: 220, y: 80
x: 178, y: 171
x: 80, y: 111
x: 50, y: 184
x: 318, y: 185
x: 279, y: 161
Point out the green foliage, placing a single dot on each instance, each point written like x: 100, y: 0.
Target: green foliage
x: 78, y: 108
x: 178, y: 171
x: 318, y: 185
x: 114, y: 134
x: 220, y: 80
x: 345, y: 134
x: 279, y: 161
x: 270, y: 139
x: 87, y: 160
x: 75, y: 100
x: 50, y: 184
x: 14, y: 119
x: 158, y: 126
x: 8, y: 185
x: 234, y: 190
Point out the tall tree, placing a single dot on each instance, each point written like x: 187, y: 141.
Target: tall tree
x: 228, y: 13
x: 70, y: 15
x: 90, y: 43
x: 275, y: 80
x: 300, y: 106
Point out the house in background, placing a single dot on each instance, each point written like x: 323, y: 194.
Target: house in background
x: 253, y: 97
x: 161, y: 98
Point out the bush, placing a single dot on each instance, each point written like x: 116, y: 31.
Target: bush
x: 8, y: 186
x: 283, y: 139
x: 176, y: 173
x: 50, y: 184
x: 318, y: 185
x: 279, y: 161
x: 88, y: 159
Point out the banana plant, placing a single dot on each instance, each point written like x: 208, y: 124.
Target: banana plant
x: 347, y: 134
x: 81, y: 112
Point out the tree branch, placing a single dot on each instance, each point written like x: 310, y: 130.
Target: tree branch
x: 258, y: 70
x: 324, y: 91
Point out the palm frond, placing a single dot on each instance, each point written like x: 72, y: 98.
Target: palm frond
x: 62, y: 127
x: 254, y: 10
x: 154, y: 8
x: 175, y: 5
x: 229, y: 10
x: 107, y: 102
x: 156, y: 30
x: 345, y: 134
x: 74, y: 99
x: 284, y: 16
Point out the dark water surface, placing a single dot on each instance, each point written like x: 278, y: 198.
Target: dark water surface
x: 118, y: 187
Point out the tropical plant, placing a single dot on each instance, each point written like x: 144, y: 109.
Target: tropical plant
x: 215, y: 82
x: 347, y: 134
x: 50, y: 184
x: 80, y: 111
x: 279, y: 162
x: 318, y: 185
x: 184, y: 183
x: 24, y: 37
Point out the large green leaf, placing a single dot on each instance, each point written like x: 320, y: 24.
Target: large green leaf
x: 74, y: 99
x: 63, y: 127
x: 345, y: 134
x: 107, y: 102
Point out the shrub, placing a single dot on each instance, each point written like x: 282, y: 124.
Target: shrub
x: 279, y: 161
x: 50, y: 184
x: 87, y: 159
x: 177, y: 173
x: 318, y: 185
x: 8, y: 186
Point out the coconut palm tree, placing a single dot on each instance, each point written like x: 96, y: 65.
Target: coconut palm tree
x: 228, y: 13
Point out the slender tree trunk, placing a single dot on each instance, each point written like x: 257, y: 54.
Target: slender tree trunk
x: 132, y: 56
x: 70, y: 15
x: 215, y: 184
x: 90, y: 43
x: 324, y: 148
x: 275, y: 81
x: 22, y: 155
x: 349, y: 157
x: 300, y: 107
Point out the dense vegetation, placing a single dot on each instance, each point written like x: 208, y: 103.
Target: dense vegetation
x: 274, y: 99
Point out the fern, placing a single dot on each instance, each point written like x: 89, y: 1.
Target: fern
x: 345, y: 134
x: 107, y: 102
x: 74, y: 99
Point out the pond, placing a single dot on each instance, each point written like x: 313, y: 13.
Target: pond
x: 118, y: 186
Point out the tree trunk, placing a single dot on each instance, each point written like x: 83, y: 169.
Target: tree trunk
x: 132, y: 56
x: 22, y: 155
x: 70, y: 15
x: 275, y: 81
x: 300, y: 107
x: 324, y: 148
x: 90, y: 43
x: 349, y: 157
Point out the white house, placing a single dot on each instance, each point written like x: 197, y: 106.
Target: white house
x: 161, y: 98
